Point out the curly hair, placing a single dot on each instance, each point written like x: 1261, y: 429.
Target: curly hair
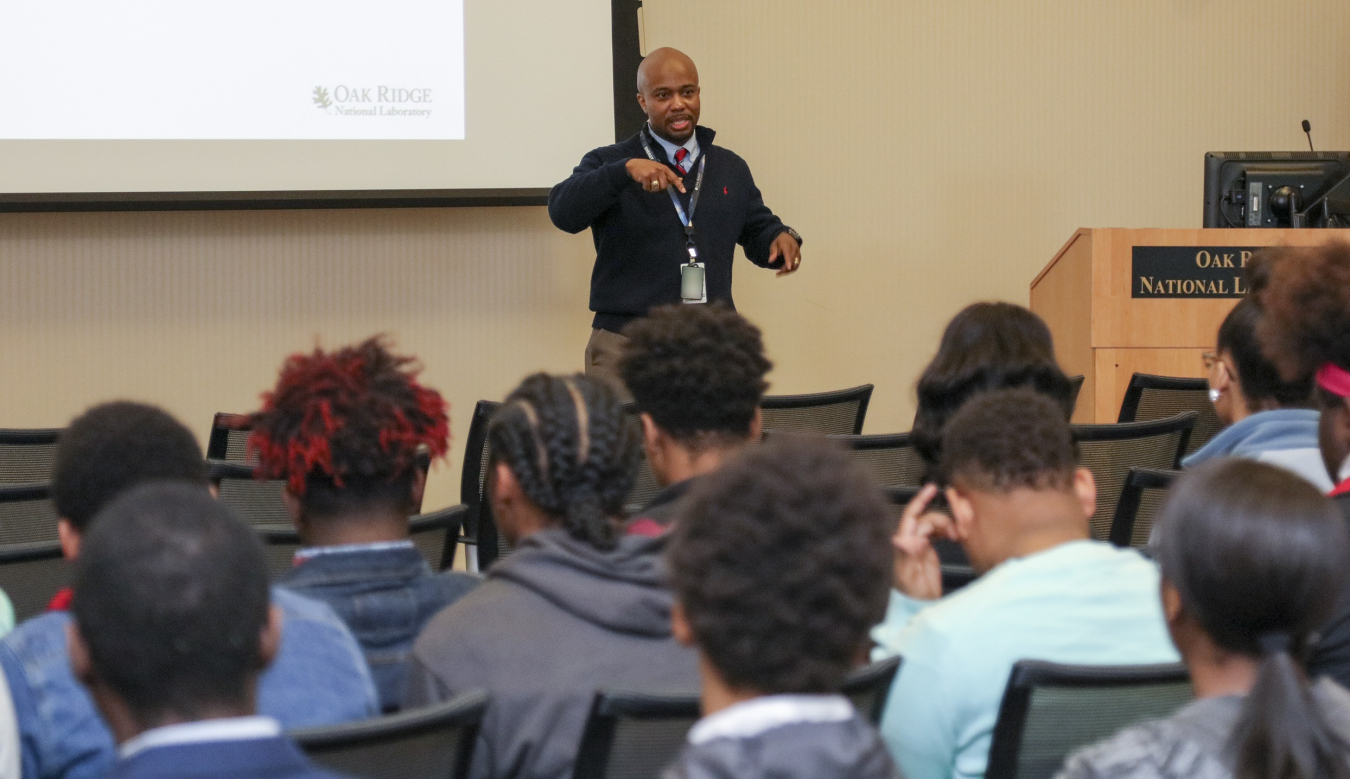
x: 697, y: 370
x: 781, y: 563
x: 346, y: 427
x: 1006, y: 439
x: 987, y: 346
x: 1305, y: 293
x: 573, y: 449
x: 113, y: 447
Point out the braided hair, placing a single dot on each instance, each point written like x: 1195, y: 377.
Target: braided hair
x: 347, y: 426
x: 574, y: 450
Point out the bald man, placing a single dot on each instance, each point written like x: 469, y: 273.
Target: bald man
x: 666, y: 209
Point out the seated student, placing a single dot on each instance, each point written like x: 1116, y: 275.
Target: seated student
x: 1020, y: 508
x: 1252, y: 558
x: 987, y: 346
x: 344, y: 429
x: 697, y: 377
x: 780, y: 566
x: 576, y: 607
x: 172, y: 628
x: 1267, y: 418
x: 319, y: 677
x: 1305, y: 295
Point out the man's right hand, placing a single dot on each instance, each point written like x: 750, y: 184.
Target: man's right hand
x: 918, y: 571
x: 653, y: 176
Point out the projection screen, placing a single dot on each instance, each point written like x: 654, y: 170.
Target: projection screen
x: 128, y: 96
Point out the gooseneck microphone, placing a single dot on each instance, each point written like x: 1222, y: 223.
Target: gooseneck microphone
x: 1307, y: 130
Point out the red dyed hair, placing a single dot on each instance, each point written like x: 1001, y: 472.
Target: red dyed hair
x: 354, y: 414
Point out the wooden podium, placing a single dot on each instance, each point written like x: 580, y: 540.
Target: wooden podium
x: 1110, y: 322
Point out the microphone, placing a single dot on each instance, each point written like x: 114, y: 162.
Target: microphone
x: 1307, y: 130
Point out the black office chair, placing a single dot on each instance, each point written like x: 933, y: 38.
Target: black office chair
x: 1150, y: 397
x: 26, y: 456
x: 435, y: 742
x: 1076, y: 387
x: 870, y: 686
x: 1110, y: 451
x: 30, y: 574
x: 840, y: 412
x: 1140, y: 501
x: 956, y: 569
x: 1050, y: 710
x: 479, y: 531
x: 429, y: 533
x: 257, y: 502
x: 891, y: 459
x: 632, y: 735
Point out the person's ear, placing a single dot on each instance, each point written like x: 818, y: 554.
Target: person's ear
x: 963, y: 512
x: 651, y: 435
x: 679, y: 625
x: 294, y: 507
x: 70, y: 538
x: 757, y: 425
x: 1085, y: 488
x: 1171, y: 602
x: 419, y: 488
x: 80, y: 664
x: 642, y: 101
x: 269, y: 640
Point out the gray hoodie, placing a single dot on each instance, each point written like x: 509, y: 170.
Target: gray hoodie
x: 555, y: 621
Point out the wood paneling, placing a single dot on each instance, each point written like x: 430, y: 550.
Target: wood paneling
x: 1058, y: 298
x: 1116, y: 366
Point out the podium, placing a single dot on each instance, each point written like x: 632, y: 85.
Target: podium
x: 1122, y: 301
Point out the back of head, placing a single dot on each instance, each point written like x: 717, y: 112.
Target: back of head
x: 113, y: 447
x: 1305, y: 295
x: 344, y: 428
x: 573, y: 449
x: 1009, y: 439
x: 987, y: 346
x: 1259, y: 378
x: 698, y: 371
x: 1258, y: 557
x: 781, y: 562
x: 171, y: 600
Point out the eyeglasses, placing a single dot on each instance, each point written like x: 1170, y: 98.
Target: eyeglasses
x: 1209, y: 358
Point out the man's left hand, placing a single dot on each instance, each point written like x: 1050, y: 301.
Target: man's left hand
x: 785, y: 247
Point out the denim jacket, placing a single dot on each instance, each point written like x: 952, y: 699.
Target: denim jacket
x: 385, y: 593
x: 317, y: 678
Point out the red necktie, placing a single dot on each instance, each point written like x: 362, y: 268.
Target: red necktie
x: 680, y: 154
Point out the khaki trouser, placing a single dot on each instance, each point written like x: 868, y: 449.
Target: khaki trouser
x: 602, y: 360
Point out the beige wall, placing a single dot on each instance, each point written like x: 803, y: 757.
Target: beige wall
x: 932, y: 154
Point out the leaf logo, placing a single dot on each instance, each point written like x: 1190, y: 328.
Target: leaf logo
x: 321, y: 98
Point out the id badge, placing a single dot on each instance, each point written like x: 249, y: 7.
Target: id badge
x: 693, y: 283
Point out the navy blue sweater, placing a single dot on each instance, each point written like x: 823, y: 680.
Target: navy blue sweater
x: 639, y: 241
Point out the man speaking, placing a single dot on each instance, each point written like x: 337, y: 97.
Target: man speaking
x: 666, y: 208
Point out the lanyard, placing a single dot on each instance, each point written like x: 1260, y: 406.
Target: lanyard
x: 686, y: 220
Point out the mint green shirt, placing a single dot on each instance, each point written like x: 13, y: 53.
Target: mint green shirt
x: 1083, y: 602
x: 6, y: 614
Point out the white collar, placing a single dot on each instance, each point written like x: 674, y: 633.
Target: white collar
x: 374, y: 546
x: 759, y: 715
x: 691, y: 145
x: 224, y: 729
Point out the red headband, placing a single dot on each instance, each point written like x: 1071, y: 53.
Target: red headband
x: 1334, y: 379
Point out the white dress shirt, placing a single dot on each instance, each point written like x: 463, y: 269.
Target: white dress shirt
x: 201, y: 731
x: 691, y: 145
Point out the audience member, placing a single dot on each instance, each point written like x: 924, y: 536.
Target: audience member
x: 1020, y: 508
x: 318, y: 678
x: 1252, y: 558
x: 344, y: 431
x: 576, y: 607
x: 987, y: 346
x: 697, y: 376
x: 1267, y: 418
x: 780, y: 566
x: 1305, y: 294
x: 172, y: 628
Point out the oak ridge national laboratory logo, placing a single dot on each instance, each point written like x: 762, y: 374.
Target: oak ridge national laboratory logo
x: 373, y: 101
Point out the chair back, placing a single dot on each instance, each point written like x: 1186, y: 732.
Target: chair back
x: 27, y: 514
x: 479, y: 529
x: 1050, y: 710
x: 840, y: 412
x: 32, y: 567
x: 1110, y: 451
x: 1075, y: 389
x: 26, y: 456
x: 258, y: 503
x: 1140, y: 500
x: 435, y: 742
x: 631, y: 735
x: 891, y: 459
x: 432, y: 534
x: 1150, y: 397
x: 870, y: 686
